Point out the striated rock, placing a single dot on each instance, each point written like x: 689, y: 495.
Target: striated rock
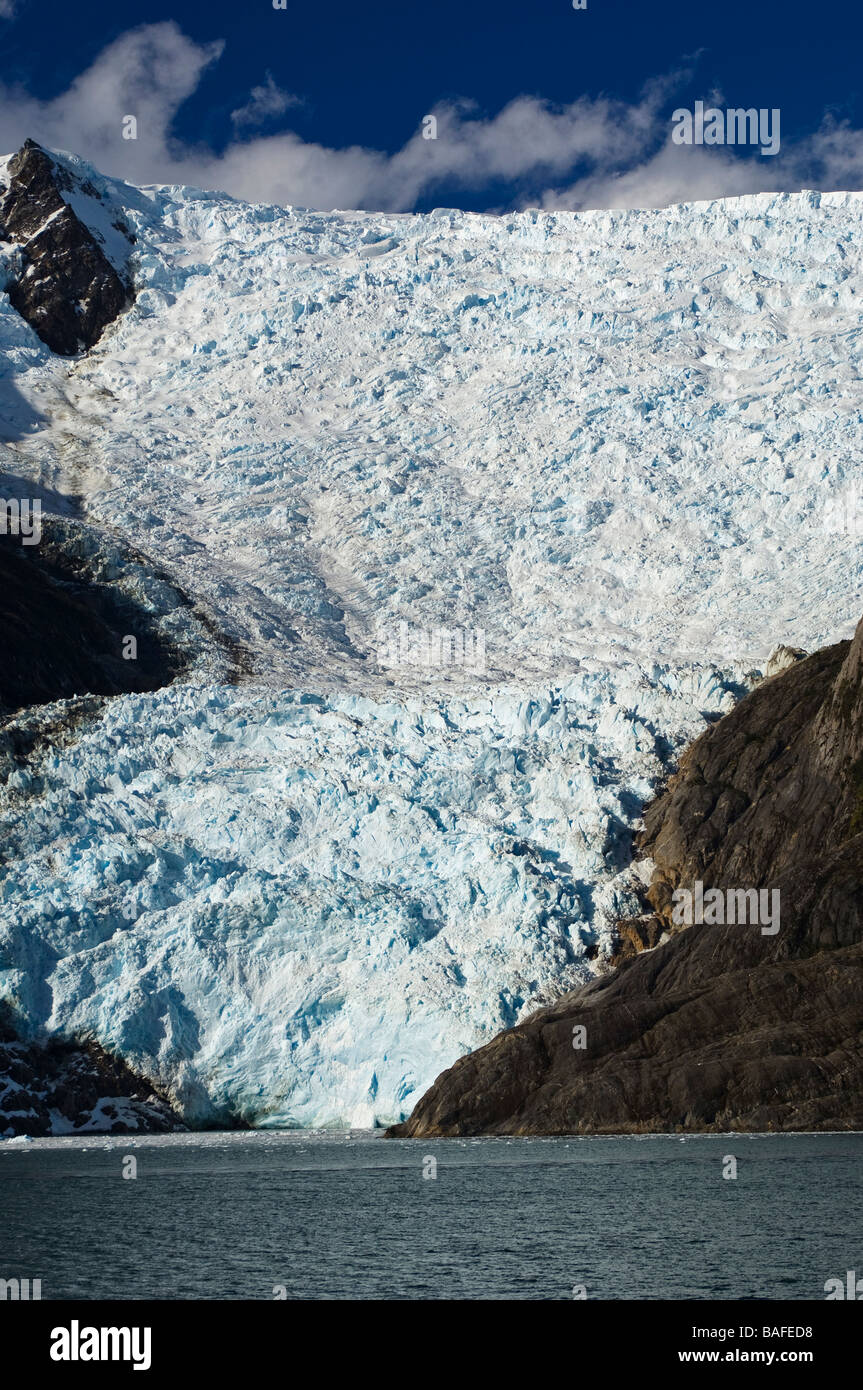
x: 721, y: 1027
x: 64, y: 285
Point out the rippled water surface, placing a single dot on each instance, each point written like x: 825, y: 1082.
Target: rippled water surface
x: 265, y: 1214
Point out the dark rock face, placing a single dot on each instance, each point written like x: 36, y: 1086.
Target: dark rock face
x: 64, y: 633
x: 66, y: 288
x: 720, y: 1027
x: 64, y: 1087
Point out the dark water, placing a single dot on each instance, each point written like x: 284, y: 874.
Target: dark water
x: 235, y: 1215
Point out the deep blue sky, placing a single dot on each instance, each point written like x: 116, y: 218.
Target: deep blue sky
x: 369, y: 71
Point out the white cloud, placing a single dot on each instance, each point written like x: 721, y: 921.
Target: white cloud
x: 8, y: 8
x: 832, y: 158
x: 592, y: 152
x: 147, y: 72
x: 264, y: 103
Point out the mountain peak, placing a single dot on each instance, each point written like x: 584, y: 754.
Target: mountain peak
x: 64, y: 281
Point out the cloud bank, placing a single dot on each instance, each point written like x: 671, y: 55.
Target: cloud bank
x: 595, y: 152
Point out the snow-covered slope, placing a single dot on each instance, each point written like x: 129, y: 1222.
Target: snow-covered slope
x: 620, y: 446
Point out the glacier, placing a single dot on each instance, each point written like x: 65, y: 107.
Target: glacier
x: 623, y: 446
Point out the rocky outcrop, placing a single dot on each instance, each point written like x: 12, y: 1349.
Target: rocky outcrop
x: 63, y: 283
x: 720, y: 1027
x: 781, y: 658
x: 59, y: 1087
x: 66, y: 632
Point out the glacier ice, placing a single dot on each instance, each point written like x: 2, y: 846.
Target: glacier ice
x: 608, y: 441
x: 297, y: 909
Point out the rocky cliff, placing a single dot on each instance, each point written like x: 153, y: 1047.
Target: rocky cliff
x: 718, y: 1027
x: 63, y: 282
x: 66, y: 632
x: 56, y: 1087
